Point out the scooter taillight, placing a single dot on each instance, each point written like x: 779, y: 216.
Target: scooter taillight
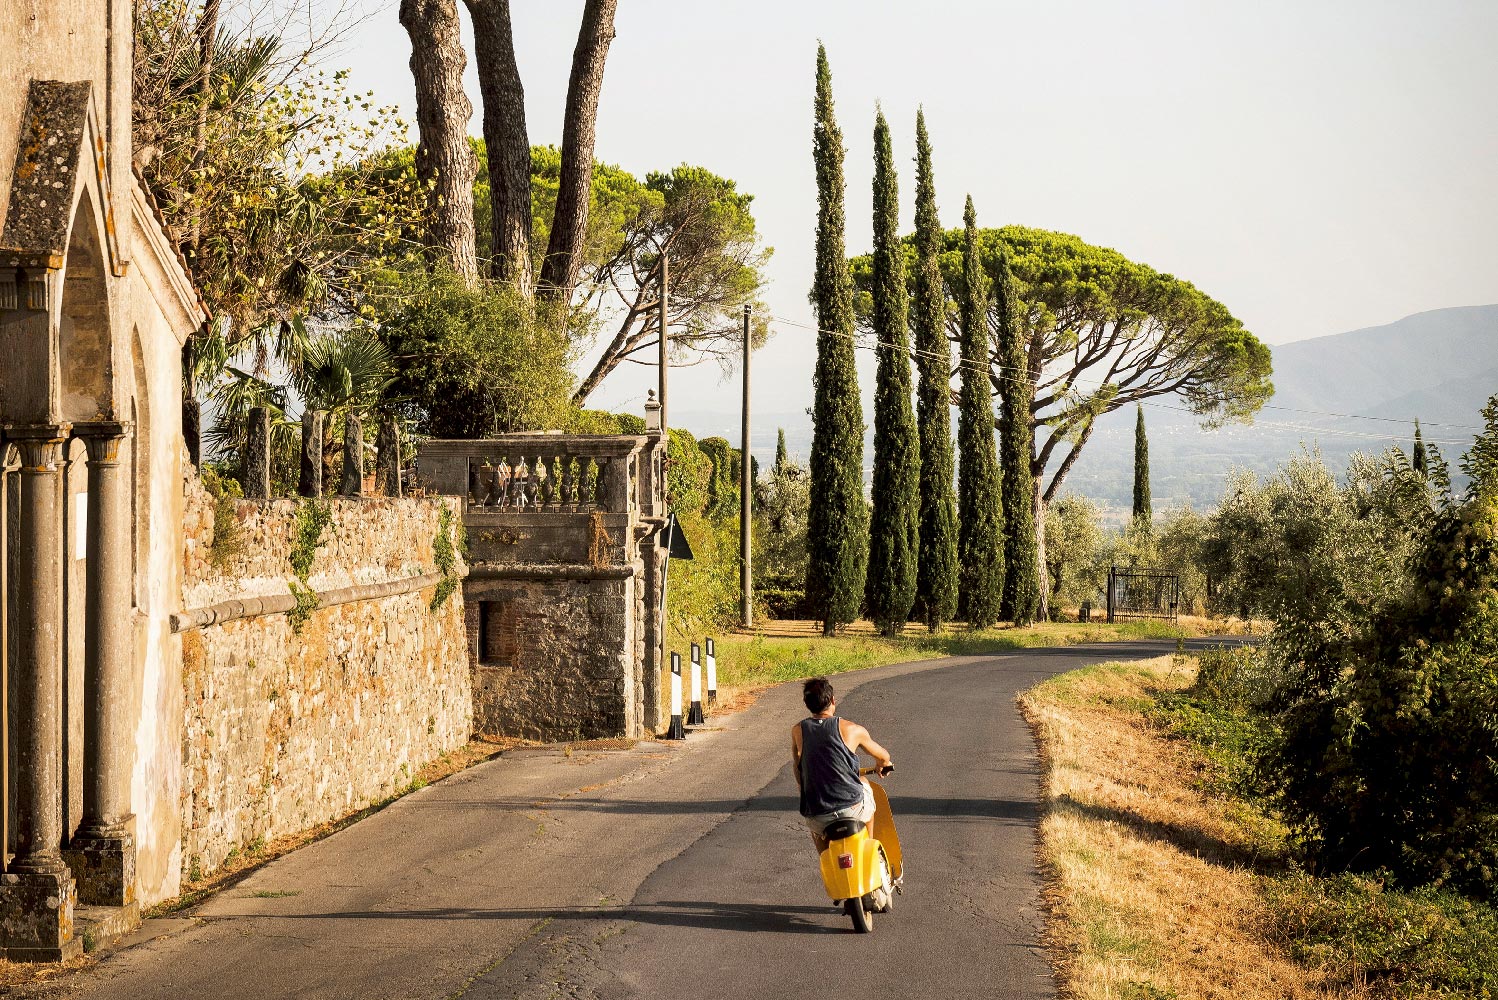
x: 845, y: 861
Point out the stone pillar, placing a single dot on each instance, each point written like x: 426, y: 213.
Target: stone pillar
x: 353, y: 457
x: 310, y: 482
x: 37, y: 893
x: 388, y: 462
x: 102, y: 853
x: 257, y: 455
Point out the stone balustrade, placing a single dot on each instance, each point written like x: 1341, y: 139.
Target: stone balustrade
x: 545, y: 473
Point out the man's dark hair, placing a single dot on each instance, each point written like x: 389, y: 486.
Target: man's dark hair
x: 817, y: 693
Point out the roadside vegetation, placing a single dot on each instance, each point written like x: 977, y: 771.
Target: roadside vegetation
x: 1171, y: 875
x: 1314, y: 816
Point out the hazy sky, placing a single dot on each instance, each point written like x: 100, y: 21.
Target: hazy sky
x: 1316, y: 165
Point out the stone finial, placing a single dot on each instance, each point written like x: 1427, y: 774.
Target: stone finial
x: 652, y: 414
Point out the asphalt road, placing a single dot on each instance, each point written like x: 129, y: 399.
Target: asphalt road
x: 677, y: 870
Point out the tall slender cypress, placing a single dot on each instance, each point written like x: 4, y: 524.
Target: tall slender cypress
x: 837, y: 538
x: 894, y: 527
x: 781, y: 456
x: 1144, y: 511
x: 1418, y: 459
x: 980, y: 496
x: 1021, y: 566
x: 936, y: 571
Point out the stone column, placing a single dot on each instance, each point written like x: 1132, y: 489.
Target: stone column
x: 37, y: 891
x: 353, y: 457
x: 102, y: 853
x: 310, y: 483
x: 388, y: 461
x: 256, y: 476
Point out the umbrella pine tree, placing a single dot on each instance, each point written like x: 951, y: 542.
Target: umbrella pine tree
x: 837, y: 524
x: 979, y: 496
x: 894, y: 528
x: 936, y: 568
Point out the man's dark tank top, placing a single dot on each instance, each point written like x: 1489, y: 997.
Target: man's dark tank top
x: 829, y: 770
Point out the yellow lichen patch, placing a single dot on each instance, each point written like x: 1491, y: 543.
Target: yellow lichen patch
x: 1151, y: 893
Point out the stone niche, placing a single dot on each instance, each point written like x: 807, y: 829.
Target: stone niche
x: 562, y: 601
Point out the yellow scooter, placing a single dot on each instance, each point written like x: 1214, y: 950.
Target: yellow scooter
x: 861, y: 866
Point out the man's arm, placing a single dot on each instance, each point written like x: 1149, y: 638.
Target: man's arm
x: 796, y: 752
x: 859, y: 739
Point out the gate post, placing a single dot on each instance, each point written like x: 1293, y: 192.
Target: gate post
x: 1112, y: 574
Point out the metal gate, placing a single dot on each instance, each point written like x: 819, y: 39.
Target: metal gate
x: 1142, y: 593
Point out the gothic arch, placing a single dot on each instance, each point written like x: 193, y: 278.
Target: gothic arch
x: 84, y: 343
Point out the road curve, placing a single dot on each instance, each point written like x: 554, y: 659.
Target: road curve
x: 666, y: 870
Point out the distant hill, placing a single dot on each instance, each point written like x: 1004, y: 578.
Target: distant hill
x: 1440, y: 366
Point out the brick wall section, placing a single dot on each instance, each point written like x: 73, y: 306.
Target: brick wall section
x: 284, y: 730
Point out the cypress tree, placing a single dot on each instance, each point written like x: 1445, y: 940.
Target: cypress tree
x: 981, y: 533
x: 894, y: 527
x: 1418, y: 459
x: 781, y: 456
x: 1021, y: 568
x: 936, y: 571
x: 837, y: 526
x: 1144, y: 511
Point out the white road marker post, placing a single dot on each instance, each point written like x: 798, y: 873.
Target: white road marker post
x: 676, y: 732
x: 712, y: 676
x: 694, y: 716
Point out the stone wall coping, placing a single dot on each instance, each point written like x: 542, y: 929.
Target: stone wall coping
x: 549, y: 571
x: 256, y: 607
x: 589, y: 445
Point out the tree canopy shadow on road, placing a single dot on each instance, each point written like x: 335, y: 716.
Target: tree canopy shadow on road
x: 1007, y: 810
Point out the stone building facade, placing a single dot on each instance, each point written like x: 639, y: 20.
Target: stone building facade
x: 564, y: 591
x: 94, y: 308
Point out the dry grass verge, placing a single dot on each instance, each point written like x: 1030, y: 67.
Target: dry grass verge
x: 1152, y: 892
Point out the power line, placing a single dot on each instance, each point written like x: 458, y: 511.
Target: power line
x: 961, y: 365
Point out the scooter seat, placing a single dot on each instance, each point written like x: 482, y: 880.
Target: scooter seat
x: 842, y: 828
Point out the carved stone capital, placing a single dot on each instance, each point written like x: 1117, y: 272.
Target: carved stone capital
x: 40, y: 445
x: 23, y: 282
x: 103, y: 439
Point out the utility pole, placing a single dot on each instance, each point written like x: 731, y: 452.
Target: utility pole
x: 665, y: 292
x: 746, y: 482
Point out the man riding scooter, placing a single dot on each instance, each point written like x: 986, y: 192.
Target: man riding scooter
x: 857, y: 846
x: 824, y: 749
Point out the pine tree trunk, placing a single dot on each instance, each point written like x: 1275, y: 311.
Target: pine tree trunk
x: 507, y: 142
x: 444, y: 158
x: 1043, y: 608
x: 569, y: 225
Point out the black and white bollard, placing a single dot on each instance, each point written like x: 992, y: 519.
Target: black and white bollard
x: 712, y: 676
x: 676, y: 732
x: 694, y: 715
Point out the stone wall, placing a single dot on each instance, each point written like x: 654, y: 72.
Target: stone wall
x: 554, y: 657
x: 287, y: 728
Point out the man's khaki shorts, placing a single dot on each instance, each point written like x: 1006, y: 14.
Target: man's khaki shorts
x: 862, y: 811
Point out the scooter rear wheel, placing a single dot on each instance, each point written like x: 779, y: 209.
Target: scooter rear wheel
x: 863, y: 920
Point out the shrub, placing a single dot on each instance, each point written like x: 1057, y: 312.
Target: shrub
x: 1397, y: 942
